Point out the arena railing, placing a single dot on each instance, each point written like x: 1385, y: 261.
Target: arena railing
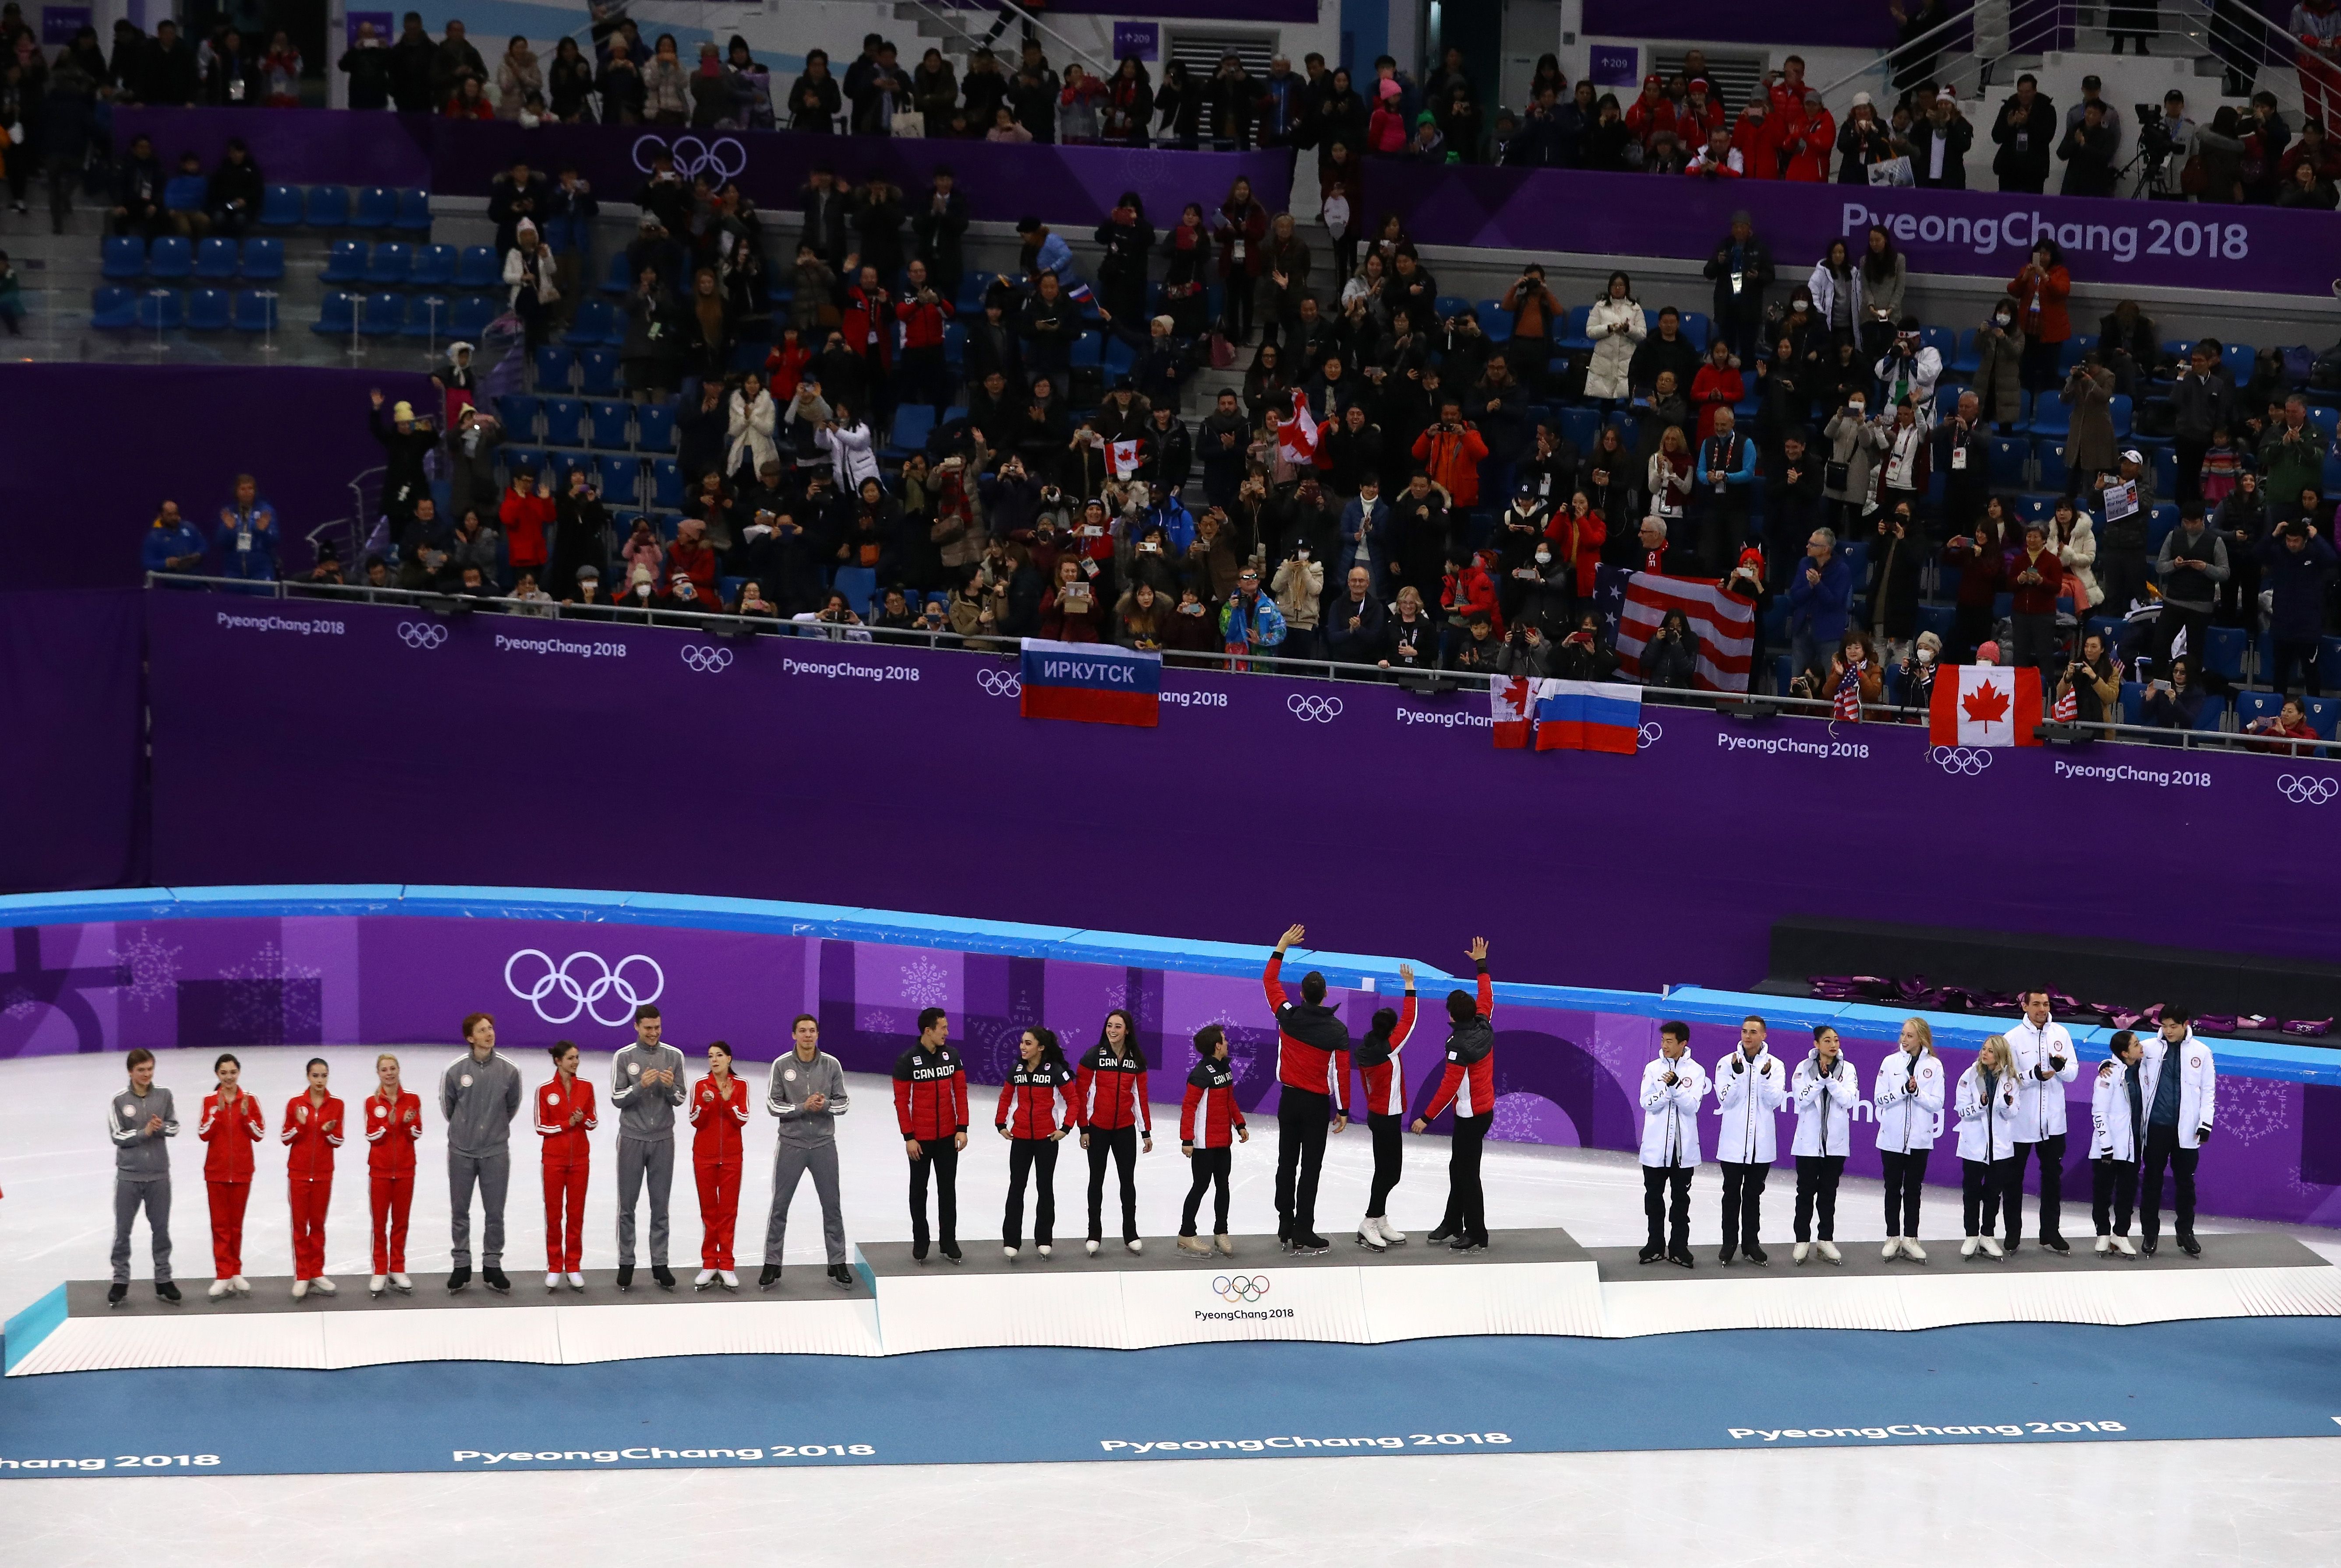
x: 1438, y: 681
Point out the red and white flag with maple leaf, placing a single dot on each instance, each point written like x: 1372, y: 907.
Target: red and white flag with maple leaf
x: 1513, y: 702
x: 1987, y: 705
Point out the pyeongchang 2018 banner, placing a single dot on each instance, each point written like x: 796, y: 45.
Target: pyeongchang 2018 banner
x: 1094, y: 681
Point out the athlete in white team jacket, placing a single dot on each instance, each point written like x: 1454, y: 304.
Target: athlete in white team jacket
x: 2177, y: 1122
x: 2046, y: 1062
x: 1672, y: 1087
x: 1750, y: 1085
x: 2118, y: 1121
x: 1908, y: 1101
x: 1984, y: 1102
x: 1824, y: 1090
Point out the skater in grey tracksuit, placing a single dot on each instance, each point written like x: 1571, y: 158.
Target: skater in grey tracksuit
x: 138, y: 1121
x: 479, y: 1094
x: 645, y: 1085
x: 807, y: 1093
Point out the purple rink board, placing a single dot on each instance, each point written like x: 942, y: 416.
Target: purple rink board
x: 299, y: 743
x: 1565, y: 1073
x: 1074, y: 186
x: 2108, y: 245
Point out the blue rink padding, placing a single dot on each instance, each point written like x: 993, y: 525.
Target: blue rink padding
x: 1696, y: 1004
x: 2005, y: 1385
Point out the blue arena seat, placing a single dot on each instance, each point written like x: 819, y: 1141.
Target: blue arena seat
x: 2223, y: 652
x: 615, y: 280
x: 596, y: 324
x: 597, y: 372
x: 622, y: 482
x: 264, y: 260
x: 113, y: 306
x: 914, y: 422
x: 2050, y: 455
x: 1966, y: 359
x: 326, y: 207
x: 610, y: 421
x: 430, y: 316
x: 374, y: 207
x: 215, y: 259
x: 520, y: 459
x: 564, y: 422
x: 161, y: 310
x: 434, y: 268
x: 414, y: 211
x: 255, y: 311
x: 281, y: 207
x: 2051, y: 416
x: 389, y: 265
x: 386, y: 316
x: 346, y: 263
x: 518, y: 412
x: 123, y: 258
x: 208, y: 310
x: 2010, y: 456
x: 337, y: 316
x: 654, y: 427
x: 170, y: 257
x: 472, y: 315
x: 667, y: 482
x: 477, y: 269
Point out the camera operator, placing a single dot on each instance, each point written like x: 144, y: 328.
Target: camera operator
x: 2165, y: 140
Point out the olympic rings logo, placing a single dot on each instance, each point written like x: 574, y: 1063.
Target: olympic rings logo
x: 1311, y: 708
x: 1243, y: 1287
x: 1647, y: 736
x: 608, y: 981
x: 420, y: 634
x: 2307, y: 789
x: 724, y: 157
x: 1968, y: 761
x: 1000, y: 683
x: 706, y: 660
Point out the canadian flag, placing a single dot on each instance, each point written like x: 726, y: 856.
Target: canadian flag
x: 1987, y: 705
x: 1297, y: 438
x: 1123, y: 457
x: 1512, y: 703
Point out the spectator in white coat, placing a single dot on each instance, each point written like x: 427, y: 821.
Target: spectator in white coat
x: 2045, y: 1062
x: 1825, y: 1091
x: 849, y: 447
x: 1672, y: 1087
x: 2117, y: 1106
x: 1985, y: 1103
x: 1908, y: 1103
x: 1750, y: 1085
x: 2180, y: 1081
x: 1617, y: 327
x: 1910, y: 368
x: 751, y: 424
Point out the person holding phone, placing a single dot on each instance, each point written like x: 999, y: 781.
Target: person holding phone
x: 2045, y: 1061
x: 564, y: 1115
x: 1985, y: 1105
x: 2117, y: 1111
x: 719, y: 1109
x: 1825, y: 1091
x: 310, y: 1133
x: 392, y: 1124
x: 1908, y: 1101
x: 1113, y: 1115
x: 1209, y: 1124
x: 232, y: 1122
x: 1027, y: 1119
x: 1672, y: 1087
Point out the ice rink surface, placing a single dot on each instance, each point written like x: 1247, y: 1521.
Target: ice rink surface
x: 2228, y: 1500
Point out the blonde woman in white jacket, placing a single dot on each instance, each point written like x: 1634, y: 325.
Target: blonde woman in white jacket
x: 2117, y: 1111
x: 1984, y: 1102
x: 752, y: 417
x: 1824, y: 1092
x: 1672, y: 1087
x: 1617, y: 326
x: 1909, y: 1100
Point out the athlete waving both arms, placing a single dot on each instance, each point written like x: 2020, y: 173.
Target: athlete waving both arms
x: 1470, y: 1083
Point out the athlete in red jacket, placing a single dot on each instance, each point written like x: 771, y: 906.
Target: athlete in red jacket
x: 1470, y: 1083
x: 1378, y: 1065
x: 564, y: 1115
x: 1313, y: 1065
x: 719, y: 1109
x: 1027, y: 1119
x: 311, y: 1132
x: 1209, y: 1121
x: 931, y: 1107
x: 1109, y: 1089
x: 392, y: 1124
x: 232, y: 1122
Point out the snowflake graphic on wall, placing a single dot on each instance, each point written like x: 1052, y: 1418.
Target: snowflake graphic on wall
x: 263, y: 1003
x: 877, y: 1021
x: 153, y: 966
x: 1515, y: 1120
x: 925, y: 984
x: 2251, y: 1109
x: 19, y: 1003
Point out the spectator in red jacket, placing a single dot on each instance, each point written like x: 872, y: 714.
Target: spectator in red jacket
x: 527, y: 517
x: 1450, y: 452
x: 2040, y: 291
x: 1700, y: 113
x: 1651, y: 112
x: 1757, y: 139
x: 1469, y: 589
x: 1978, y: 556
x: 1717, y: 386
x: 232, y: 1122
x: 2034, y: 576
x: 691, y: 556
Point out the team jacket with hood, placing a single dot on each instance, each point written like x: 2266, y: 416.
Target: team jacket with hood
x: 716, y: 1118
x: 391, y: 1131
x: 2120, y: 1134
x: 2199, y: 1082
x: 1211, y: 1092
x: 930, y: 1093
x: 1905, y: 1116
x: 2040, y: 1106
x: 1378, y: 1065
x: 310, y: 1134
x: 1110, y: 1091
x: 1747, y: 1097
x: 1028, y: 1100
x: 1670, y: 1111
x: 231, y: 1136
x: 1470, y: 1080
x: 1312, y: 1043
x: 1987, y: 1132
x: 566, y: 1145
x: 1825, y: 1103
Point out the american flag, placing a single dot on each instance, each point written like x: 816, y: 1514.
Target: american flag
x: 1847, y: 701
x: 1632, y: 603
x: 2067, y: 709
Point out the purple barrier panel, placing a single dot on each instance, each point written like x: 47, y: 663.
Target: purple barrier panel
x: 1816, y: 24
x: 1387, y: 821
x: 1563, y: 1077
x: 300, y: 430
x: 292, y: 146
x: 2108, y: 244
x: 70, y: 685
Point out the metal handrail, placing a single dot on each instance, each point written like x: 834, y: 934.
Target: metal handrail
x: 1752, y: 707
x: 939, y: 10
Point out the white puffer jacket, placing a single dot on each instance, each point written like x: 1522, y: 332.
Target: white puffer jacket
x: 1987, y: 1132
x: 1824, y: 1102
x: 1670, y: 1111
x: 1908, y: 1119
x: 1748, y: 1099
x: 1613, y: 352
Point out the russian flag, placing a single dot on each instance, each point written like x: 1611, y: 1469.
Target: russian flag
x: 1096, y: 682
x: 1588, y: 716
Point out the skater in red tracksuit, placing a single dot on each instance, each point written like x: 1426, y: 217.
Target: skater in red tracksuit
x: 1209, y: 1122
x: 232, y: 1122
x: 1110, y: 1088
x: 1385, y: 1081
x: 564, y: 1115
x: 1027, y: 1119
x: 1470, y: 1083
x: 1312, y: 1067
x: 311, y: 1132
x: 719, y: 1109
x: 931, y: 1107
x: 392, y: 1124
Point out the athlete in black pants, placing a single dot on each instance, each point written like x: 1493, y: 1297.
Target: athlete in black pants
x: 1313, y: 1065
x: 1210, y: 1123
x: 931, y: 1108
x: 1470, y: 1083
x: 1385, y: 1080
